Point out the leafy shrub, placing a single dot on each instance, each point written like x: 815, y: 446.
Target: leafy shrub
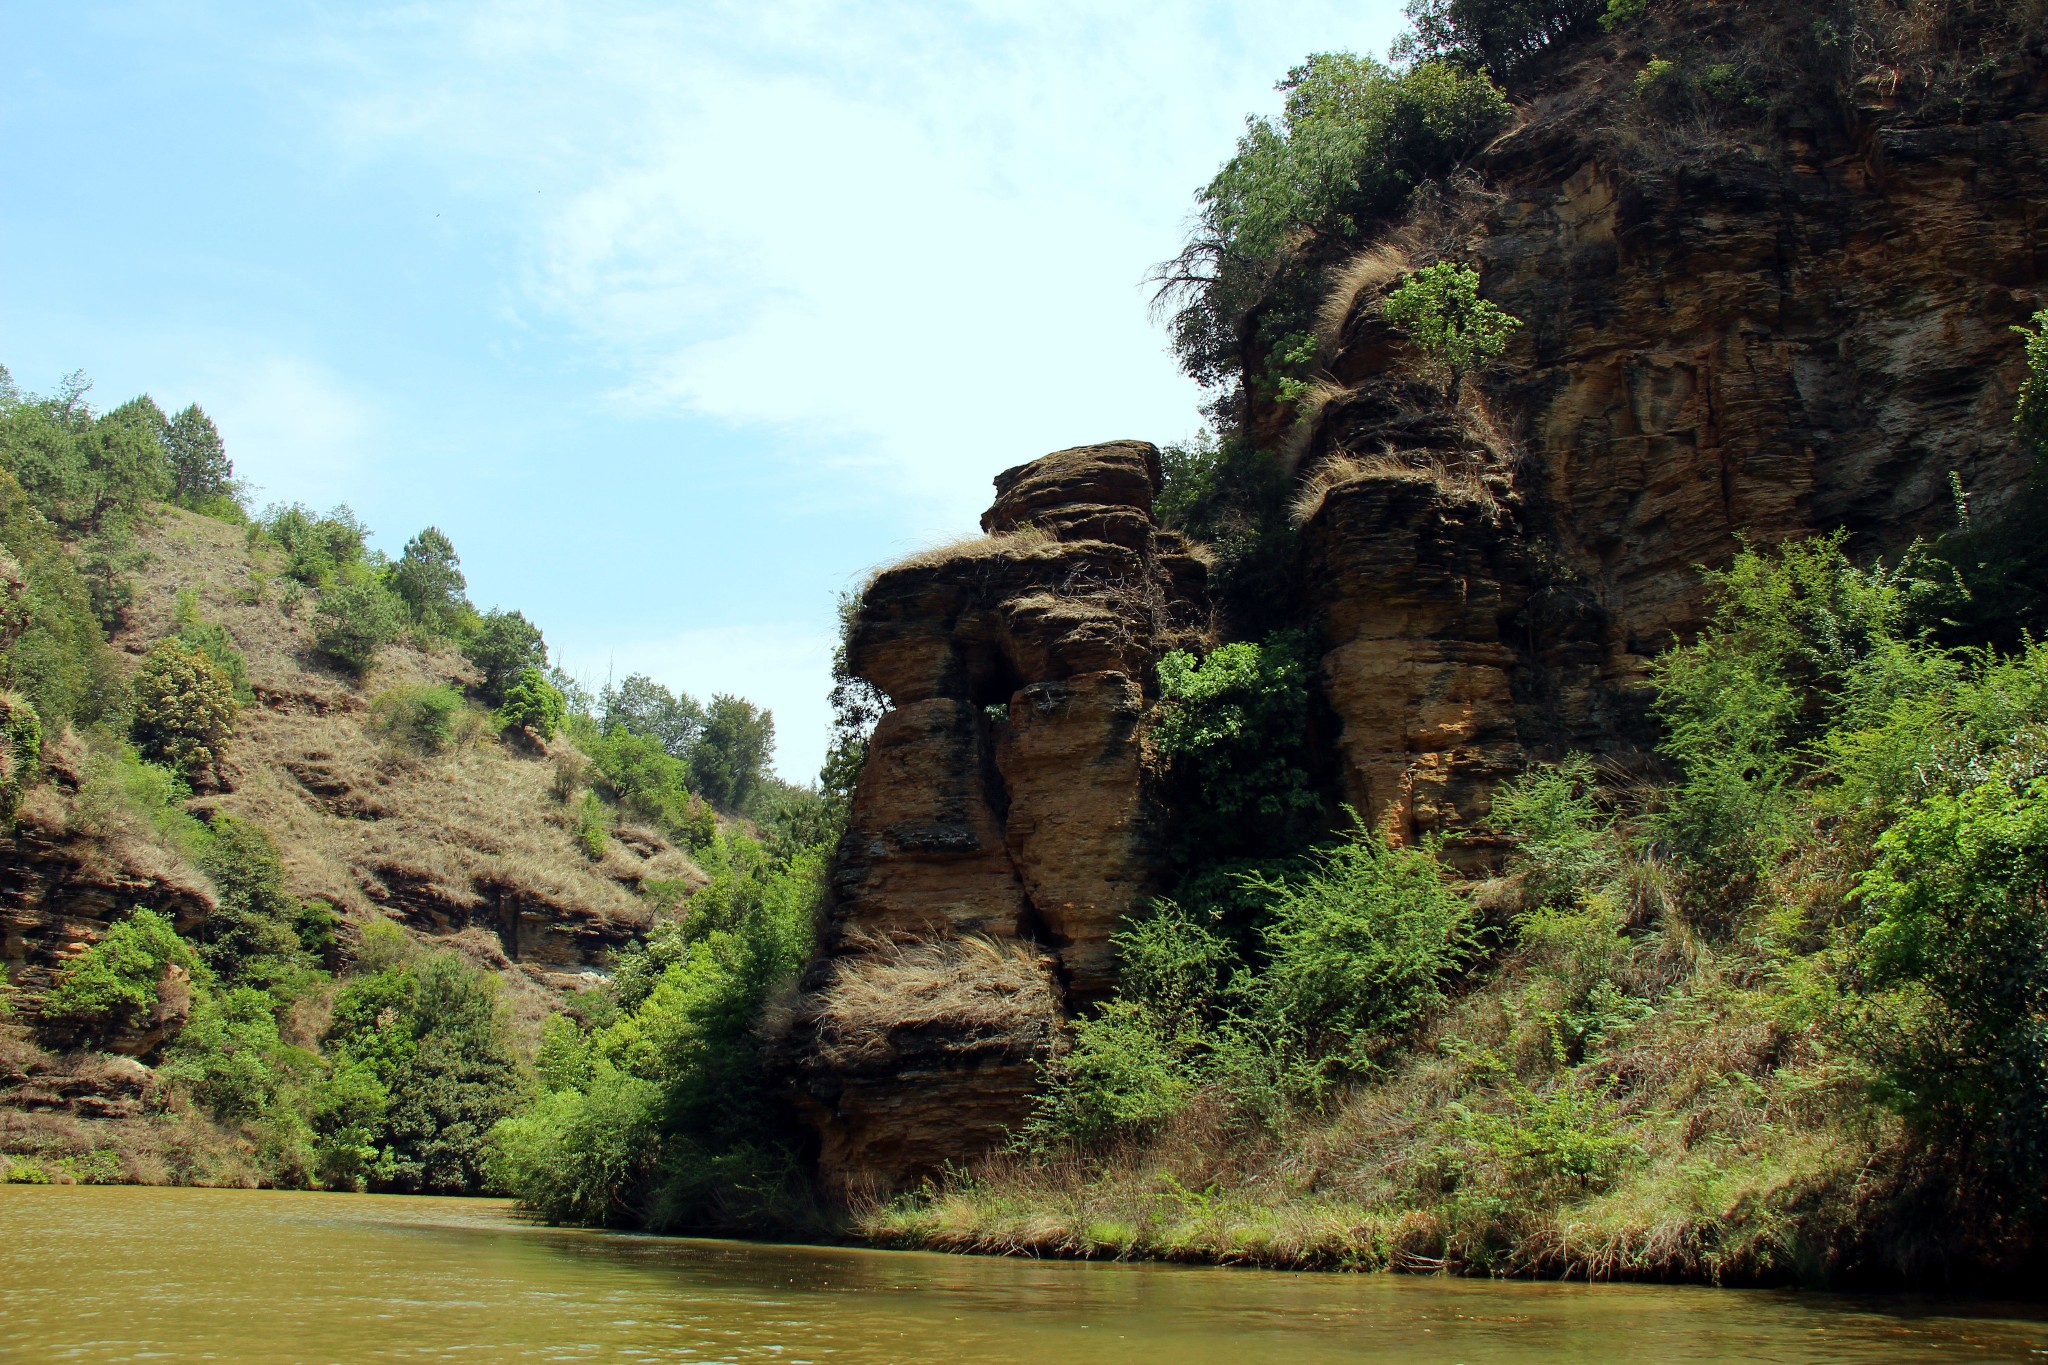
x: 1123, y: 1072
x: 1455, y: 329
x: 317, y: 549
x: 57, y: 658
x: 230, y: 1059
x: 354, y: 624
x: 645, y: 779
x: 184, y: 709
x: 259, y: 933
x: 1360, y: 946
x: 504, y: 647
x: 1560, y: 840
x: 593, y: 827
x: 2031, y: 416
x: 116, y: 980
x: 425, y: 717
x: 1960, y: 898
x: 430, y: 1031
x: 582, y: 1154
x: 533, y: 705
x: 1233, y: 733
x: 213, y: 641
x: 21, y: 751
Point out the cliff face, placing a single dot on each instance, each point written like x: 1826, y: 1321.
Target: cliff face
x: 1751, y: 341
x: 1004, y: 797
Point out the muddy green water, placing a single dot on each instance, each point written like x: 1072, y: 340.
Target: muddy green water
x: 122, y: 1274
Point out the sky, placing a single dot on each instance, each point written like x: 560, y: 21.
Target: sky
x: 678, y: 318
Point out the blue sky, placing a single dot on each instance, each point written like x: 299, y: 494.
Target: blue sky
x: 677, y: 317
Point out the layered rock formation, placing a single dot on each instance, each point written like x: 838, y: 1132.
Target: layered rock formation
x: 1729, y: 336
x: 1004, y: 795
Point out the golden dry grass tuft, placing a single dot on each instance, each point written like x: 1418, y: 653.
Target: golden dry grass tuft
x: 1024, y: 541
x: 1460, y: 483
x: 973, y: 986
x: 1366, y: 273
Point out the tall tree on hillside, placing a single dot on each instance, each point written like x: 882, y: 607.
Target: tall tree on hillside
x: 428, y: 578
x: 641, y: 706
x: 731, y: 757
x: 200, y: 468
x: 505, y: 645
x: 145, y: 413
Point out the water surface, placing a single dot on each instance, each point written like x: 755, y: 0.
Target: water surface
x: 130, y: 1274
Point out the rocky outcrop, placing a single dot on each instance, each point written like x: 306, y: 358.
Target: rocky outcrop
x: 1752, y: 343
x: 1004, y: 797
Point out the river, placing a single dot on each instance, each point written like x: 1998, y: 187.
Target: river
x: 115, y: 1273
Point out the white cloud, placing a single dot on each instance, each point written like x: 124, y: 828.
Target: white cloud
x: 907, y: 237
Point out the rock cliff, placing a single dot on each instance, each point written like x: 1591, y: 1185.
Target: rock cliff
x: 1750, y: 338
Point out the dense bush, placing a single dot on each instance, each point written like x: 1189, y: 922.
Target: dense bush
x: 184, y: 709
x: 1233, y: 733
x: 663, y: 1117
x: 259, y: 934
x: 647, y: 781
x: 504, y: 647
x: 532, y: 705
x: 355, y: 622
x: 317, y: 549
x: 426, y: 718
x: 115, y: 982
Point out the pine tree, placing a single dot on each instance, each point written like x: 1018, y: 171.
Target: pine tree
x: 200, y: 468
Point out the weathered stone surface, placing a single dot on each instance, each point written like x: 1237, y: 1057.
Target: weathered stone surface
x: 1004, y: 795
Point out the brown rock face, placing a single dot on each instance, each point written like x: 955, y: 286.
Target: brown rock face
x: 1004, y: 795
x: 1773, y: 341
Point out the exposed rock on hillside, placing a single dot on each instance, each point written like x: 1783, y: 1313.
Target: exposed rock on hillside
x: 1754, y: 337
x: 1004, y: 794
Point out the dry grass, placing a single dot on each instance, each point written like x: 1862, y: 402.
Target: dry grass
x: 970, y: 987
x: 367, y: 824
x: 1458, y: 483
x: 1022, y: 542
x: 1368, y: 272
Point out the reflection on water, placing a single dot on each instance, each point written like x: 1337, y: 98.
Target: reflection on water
x: 118, y: 1274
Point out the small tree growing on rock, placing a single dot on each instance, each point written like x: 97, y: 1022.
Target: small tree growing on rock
x: 1456, y: 330
x: 184, y: 708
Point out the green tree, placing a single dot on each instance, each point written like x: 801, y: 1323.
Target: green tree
x: 641, y: 706
x: 2031, y: 415
x: 533, y: 705
x: 201, y: 472
x: 1446, y: 319
x: 427, y: 578
x: 731, y: 758
x: 259, y: 934
x: 1499, y: 36
x: 115, y: 982
x: 505, y: 645
x: 1233, y: 733
x: 355, y: 622
x: 184, y: 709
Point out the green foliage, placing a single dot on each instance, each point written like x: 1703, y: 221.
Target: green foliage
x: 505, y: 645
x: 1355, y: 138
x: 638, y: 772
x: 202, y: 477
x: 1456, y: 330
x: 213, y: 641
x: 115, y: 982
x: 430, y: 583
x: 1501, y: 36
x: 259, y: 934
x: 1233, y: 733
x: 1959, y: 895
x: 422, y: 716
x: 1552, y: 816
x: 593, y: 827
x: 1621, y: 13
x: 532, y: 705
x: 230, y: 1059
x: 355, y: 622
x: 642, y: 707
x: 424, y: 1066
x: 318, y: 549
x: 57, y: 657
x: 662, y: 1117
x: 2031, y: 414
x: 730, y: 759
x: 1234, y: 497
x: 21, y: 751
x: 88, y: 475
x: 1360, y: 946
x: 184, y: 709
